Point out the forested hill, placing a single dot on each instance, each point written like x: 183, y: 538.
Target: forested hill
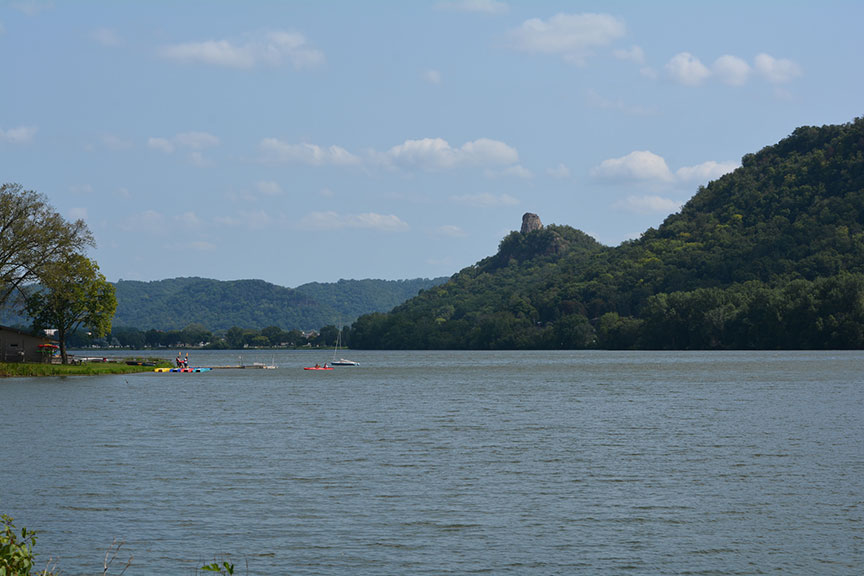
x: 769, y: 256
x: 218, y: 305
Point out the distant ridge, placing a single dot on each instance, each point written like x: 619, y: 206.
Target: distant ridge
x: 173, y: 304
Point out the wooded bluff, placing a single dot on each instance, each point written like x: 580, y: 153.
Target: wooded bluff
x: 770, y: 256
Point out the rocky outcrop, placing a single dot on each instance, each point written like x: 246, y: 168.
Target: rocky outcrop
x: 530, y: 223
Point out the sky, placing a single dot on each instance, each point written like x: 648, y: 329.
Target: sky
x: 303, y: 141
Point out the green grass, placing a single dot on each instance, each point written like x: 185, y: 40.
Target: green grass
x: 88, y: 368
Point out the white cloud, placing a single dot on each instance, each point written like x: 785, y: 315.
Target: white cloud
x: 77, y: 213
x: 637, y: 165
x: 634, y: 54
x: 437, y: 154
x: 192, y: 142
x: 196, y: 140
x: 366, y: 221
x: 485, y: 200
x: 776, y: 71
x: 269, y: 188
x: 643, y: 165
x: 429, y: 154
x: 731, y: 70
x: 32, y: 7
x: 267, y: 49
x: 517, y: 171
x: 706, y: 171
x: 83, y: 189
x: 561, y: 172
x: 432, y: 76
x: 20, y: 135
x: 113, y: 142
x: 149, y: 221
x: 106, y: 37
x: 483, y: 6
x: 648, y: 205
x: 450, y: 231
x: 573, y: 36
x: 162, y: 144
x: 685, y: 68
x: 275, y: 150
x: 187, y: 220
x: 250, y: 219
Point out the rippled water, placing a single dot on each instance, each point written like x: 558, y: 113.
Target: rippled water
x: 432, y: 463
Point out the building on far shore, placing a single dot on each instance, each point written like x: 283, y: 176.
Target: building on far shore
x: 18, y: 346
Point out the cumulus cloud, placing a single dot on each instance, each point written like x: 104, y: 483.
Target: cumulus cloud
x: 776, y: 71
x: 731, y: 70
x: 432, y: 76
x: 192, y: 143
x: 572, y: 36
x: 450, y: 231
x: 482, y: 6
x: 517, y: 171
x: 113, y: 142
x: 437, y: 154
x: 706, y: 171
x: 645, y: 166
x: 634, y: 54
x: 185, y: 140
x: 686, y: 69
x: 149, y: 221
x: 427, y: 154
x: 77, y: 213
x: 561, y: 171
x: 106, y: 37
x: 267, y: 49
x: 250, y: 219
x: 275, y: 150
x: 485, y: 200
x: 32, y: 7
x: 648, y: 205
x: 269, y: 188
x: 366, y: 221
x: 19, y: 135
x: 637, y: 165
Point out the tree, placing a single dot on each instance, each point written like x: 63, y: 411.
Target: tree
x: 32, y: 237
x: 73, y: 294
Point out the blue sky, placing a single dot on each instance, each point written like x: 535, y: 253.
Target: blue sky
x: 312, y: 141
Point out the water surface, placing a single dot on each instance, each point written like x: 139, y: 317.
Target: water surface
x: 443, y: 462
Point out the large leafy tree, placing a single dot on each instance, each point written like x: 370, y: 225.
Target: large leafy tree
x: 33, y: 236
x: 74, y: 294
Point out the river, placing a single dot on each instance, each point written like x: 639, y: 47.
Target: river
x: 424, y: 463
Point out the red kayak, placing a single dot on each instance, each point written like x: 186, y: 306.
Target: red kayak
x: 317, y: 368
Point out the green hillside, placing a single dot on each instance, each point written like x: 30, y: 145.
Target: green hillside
x: 218, y: 305
x: 769, y: 256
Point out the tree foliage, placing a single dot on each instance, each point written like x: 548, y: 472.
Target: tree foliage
x: 252, y: 304
x: 73, y: 293
x: 769, y: 256
x: 32, y: 237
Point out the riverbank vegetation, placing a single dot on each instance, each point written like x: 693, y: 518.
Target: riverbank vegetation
x: 8, y: 369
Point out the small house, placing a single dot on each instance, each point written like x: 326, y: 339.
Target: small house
x: 18, y: 346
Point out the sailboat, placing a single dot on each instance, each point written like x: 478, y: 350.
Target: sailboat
x: 341, y: 361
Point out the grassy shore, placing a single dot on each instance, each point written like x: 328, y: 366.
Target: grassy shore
x: 87, y: 368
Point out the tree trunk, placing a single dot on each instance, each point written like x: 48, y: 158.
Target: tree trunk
x: 61, y: 335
